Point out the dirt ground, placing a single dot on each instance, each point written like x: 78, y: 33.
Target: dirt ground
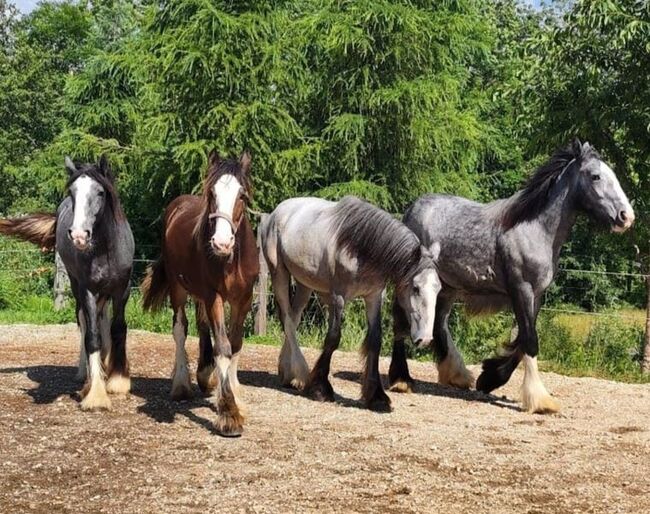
x: 440, y: 450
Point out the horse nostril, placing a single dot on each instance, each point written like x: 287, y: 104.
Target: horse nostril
x: 622, y: 215
x: 70, y: 233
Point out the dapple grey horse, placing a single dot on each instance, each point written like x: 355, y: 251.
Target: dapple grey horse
x: 95, y: 243
x: 505, y: 254
x: 344, y: 250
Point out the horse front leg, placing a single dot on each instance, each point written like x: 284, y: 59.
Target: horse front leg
x: 119, y: 381
x: 238, y: 312
x: 94, y: 391
x: 399, y: 378
x: 372, y: 390
x: 319, y: 387
x: 534, y: 396
x: 82, y: 367
x: 230, y: 421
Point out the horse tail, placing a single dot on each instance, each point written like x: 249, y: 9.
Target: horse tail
x: 154, y: 287
x: 38, y: 228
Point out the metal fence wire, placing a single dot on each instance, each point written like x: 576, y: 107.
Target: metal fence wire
x: 27, y: 270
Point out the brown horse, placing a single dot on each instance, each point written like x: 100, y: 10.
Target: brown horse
x: 209, y: 252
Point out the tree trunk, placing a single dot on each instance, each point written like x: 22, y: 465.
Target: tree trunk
x: 645, y: 363
x: 61, y: 284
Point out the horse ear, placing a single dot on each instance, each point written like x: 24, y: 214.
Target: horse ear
x: 69, y: 166
x: 213, y: 158
x: 576, y: 147
x: 104, y: 167
x: 245, y: 161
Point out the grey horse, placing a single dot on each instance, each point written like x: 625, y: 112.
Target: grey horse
x: 95, y: 243
x: 505, y: 254
x: 344, y: 250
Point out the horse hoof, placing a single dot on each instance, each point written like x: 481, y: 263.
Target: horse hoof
x: 545, y: 404
x: 180, y: 393
x: 229, y: 425
x: 380, y: 402
x: 403, y: 386
x: 320, y: 392
x: 118, y: 385
x: 95, y: 400
x: 487, y: 382
x: 461, y: 381
x: 379, y: 406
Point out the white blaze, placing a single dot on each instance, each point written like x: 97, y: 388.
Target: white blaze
x: 606, y: 171
x: 83, y: 187
x: 226, y: 192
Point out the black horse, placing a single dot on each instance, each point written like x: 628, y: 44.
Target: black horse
x: 505, y: 254
x: 95, y: 243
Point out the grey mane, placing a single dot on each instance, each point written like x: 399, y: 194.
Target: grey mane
x: 383, y: 244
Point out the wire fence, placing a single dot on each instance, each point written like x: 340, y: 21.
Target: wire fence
x: 25, y: 264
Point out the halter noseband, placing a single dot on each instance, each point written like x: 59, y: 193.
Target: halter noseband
x: 223, y: 215
x: 218, y: 214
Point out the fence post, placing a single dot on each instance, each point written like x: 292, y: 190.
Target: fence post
x: 61, y: 283
x: 645, y: 363
x: 262, y: 284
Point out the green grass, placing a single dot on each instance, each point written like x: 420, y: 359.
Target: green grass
x: 607, y: 345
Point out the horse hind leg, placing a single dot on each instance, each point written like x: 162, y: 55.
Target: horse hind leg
x: 293, y: 359
x: 104, y: 323
x: 319, y: 387
x: 82, y: 368
x: 181, y: 383
x: 292, y: 366
x: 451, y: 367
x: 205, y: 375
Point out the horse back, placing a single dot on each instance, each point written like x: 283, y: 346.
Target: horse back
x: 463, y: 237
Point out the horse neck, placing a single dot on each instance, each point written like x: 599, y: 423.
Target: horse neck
x: 105, y: 231
x: 559, y: 216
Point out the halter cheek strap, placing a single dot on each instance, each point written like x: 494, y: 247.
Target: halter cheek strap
x: 223, y: 215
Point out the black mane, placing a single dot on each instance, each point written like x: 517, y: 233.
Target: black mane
x: 383, y: 244
x: 105, y: 179
x: 528, y: 203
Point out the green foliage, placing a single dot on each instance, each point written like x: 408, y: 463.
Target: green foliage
x: 589, y: 75
x: 612, y: 348
x: 382, y: 99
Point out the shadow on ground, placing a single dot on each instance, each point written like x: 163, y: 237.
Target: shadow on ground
x: 435, y: 389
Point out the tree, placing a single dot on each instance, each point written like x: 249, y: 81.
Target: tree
x: 587, y: 75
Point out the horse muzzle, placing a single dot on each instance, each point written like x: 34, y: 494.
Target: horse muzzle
x: 80, y: 239
x: 624, y: 220
x: 220, y: 250
x: 422, y: 343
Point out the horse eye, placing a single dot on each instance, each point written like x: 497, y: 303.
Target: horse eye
x: 416, y: 290
x: 595, y: 177
x: 101, y: 193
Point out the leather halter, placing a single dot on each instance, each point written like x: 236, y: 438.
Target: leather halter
x: 227, y: 217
